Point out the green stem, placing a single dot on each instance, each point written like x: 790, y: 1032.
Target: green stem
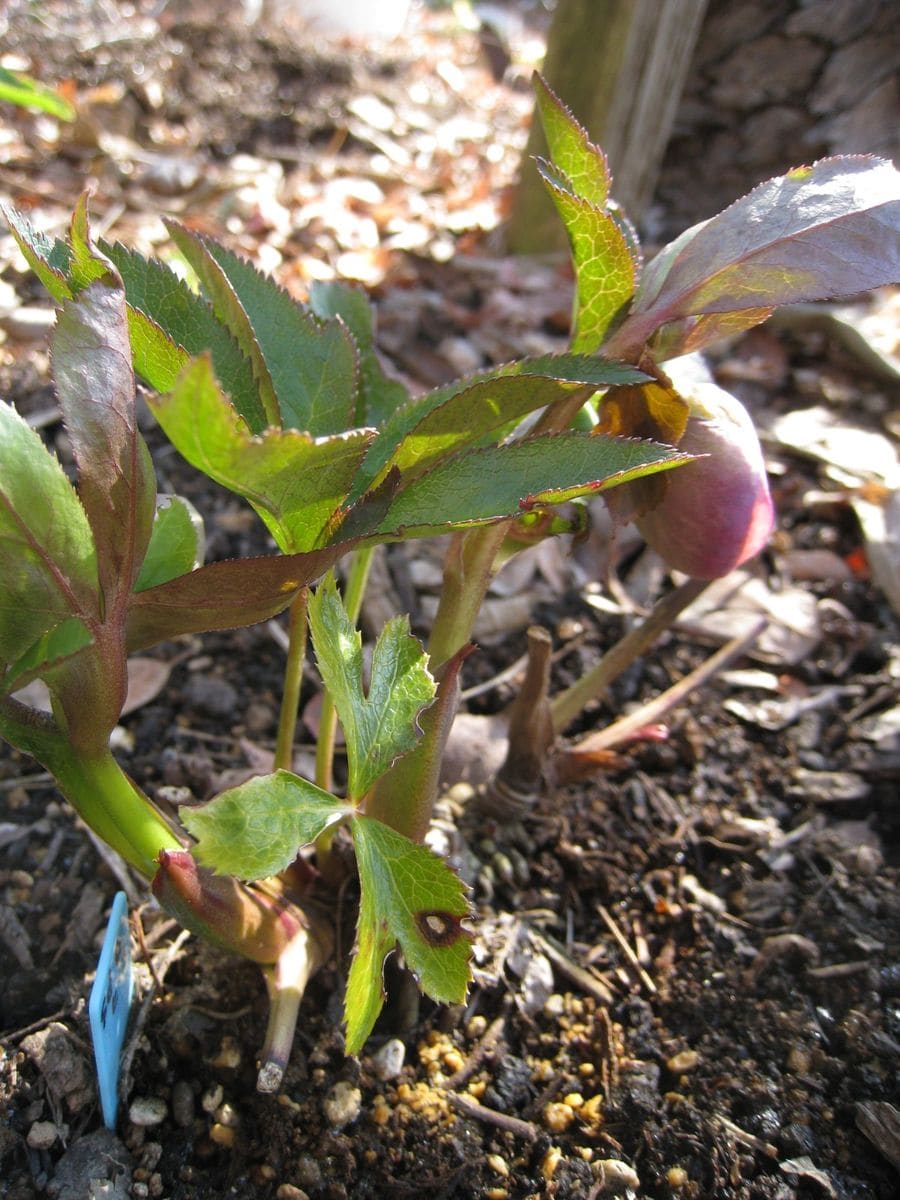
x: 357, y: 577
x: 96, y: 787
x: 293, y: 682
x: 565, y: 707
x: 354, y: 590
x: 468, y: 570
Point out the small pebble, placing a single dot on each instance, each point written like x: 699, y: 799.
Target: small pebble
x: 686, y: 1060
x: 498, y: 1165
x: 287, y: 1191
x: 229, y: 1055
x: 615, y: 1177
x: 42, y: 1135
x: 676, y: 1178
x: 387, y: 1061
x: 225, y: 1114
x: 211, y: 695
x: 212, y: 1098
x: 558, y: 1117
x: 183, y: 1104
x: 307, y: 1170
x: 147, y: 1110
x: 550, y: 1162
x: 222, y: 1135
x: 342, y: 1104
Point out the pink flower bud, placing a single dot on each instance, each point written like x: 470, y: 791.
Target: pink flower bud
x: 716, y: 512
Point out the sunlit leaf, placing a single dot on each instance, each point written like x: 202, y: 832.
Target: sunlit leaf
x: 22, y: 90
x: 379, y: 723
x: 294, y: 481
x: 605, y: 270
x: 255, y: 829
x: 434, y: 426
x: 583, y: 164
x: 165, y: 313
x: 49, y: 258
x: 312, y: 364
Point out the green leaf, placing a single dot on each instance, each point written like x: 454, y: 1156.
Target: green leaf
x: 482, y: 486
x: 58, y: 646
x: 817, y: 232
x: 605, y: 269
x: 381, y: 725
x: 48, y: 565
x: 176, y: 543
x: 168, y: 319
x: 49, y: 258
x: 224, y: 595
x: 434, y: 426
x: 411, y: 897
x: 86, y: 264
x: 95, y: 383
x: 294, y: 481
x: 26, y: 92
x: 583, y: 164
x: 379, y: 396
x: 255, y: 829
x: 311, y: 364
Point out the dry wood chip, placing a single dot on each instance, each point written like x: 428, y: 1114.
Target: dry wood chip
x: 880, y: 1122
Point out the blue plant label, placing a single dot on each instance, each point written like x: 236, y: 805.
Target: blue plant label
x: 109, y: 1006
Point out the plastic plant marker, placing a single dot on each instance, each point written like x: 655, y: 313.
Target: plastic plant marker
x: 109, y: 1006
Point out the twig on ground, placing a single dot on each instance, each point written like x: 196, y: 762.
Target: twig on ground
x: 488, y: 1043
x: 480, y: 1112
x: 580, y: 976
x: 626, y: 949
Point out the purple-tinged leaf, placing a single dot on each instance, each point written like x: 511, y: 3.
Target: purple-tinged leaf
x: 95, y: 383
x: 693, y: 333
x: 225, y: 595
x: 831, y: 229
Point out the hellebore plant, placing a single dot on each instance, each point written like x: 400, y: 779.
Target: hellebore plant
x: 287, y: 405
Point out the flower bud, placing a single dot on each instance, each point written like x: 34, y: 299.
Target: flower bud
x: 716, y: 511
x: 224, y: 911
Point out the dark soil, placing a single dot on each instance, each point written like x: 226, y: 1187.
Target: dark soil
x: 687, y: 966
